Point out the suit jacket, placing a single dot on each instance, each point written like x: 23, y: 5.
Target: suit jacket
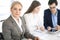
x: 48, y: 18
x: 11, y: 31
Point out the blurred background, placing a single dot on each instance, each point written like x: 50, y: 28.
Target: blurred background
x: 5, y: 8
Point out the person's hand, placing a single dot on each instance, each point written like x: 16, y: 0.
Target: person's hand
x: 29, y: 39
x: 42, y: 28
x: 49, y: 28
x: 37, y: 27
x: 36, y: 38
x: 58, y: 27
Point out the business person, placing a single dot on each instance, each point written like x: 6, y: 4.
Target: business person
x: 32, y: 18
x: 52, y: 16
x: 13, y: 28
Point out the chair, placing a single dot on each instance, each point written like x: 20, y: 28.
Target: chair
x: 1, y: 36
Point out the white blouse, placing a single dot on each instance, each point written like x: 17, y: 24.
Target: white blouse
x: 32, y: 21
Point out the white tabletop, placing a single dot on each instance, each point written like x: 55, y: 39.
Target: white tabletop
x: 47, y: 35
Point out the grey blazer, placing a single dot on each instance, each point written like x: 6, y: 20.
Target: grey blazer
x: 11, y: 31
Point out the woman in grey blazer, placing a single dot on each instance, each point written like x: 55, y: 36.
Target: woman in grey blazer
x: 14, y: 27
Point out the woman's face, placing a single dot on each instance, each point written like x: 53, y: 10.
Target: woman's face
x: 16, y: 10
x: 37, y: 9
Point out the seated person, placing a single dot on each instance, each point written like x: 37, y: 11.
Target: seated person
x: 33, y: 20
x: 13, y: 28
x: 52, y: 16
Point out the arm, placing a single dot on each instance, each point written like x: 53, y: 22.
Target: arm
x: 29, y: 23
x: 6, y: 32
x: 26, y: 34
x: 45, y: 20
x: 30, y: 36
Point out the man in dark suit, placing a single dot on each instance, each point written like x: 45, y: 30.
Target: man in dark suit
x: 52, y: 16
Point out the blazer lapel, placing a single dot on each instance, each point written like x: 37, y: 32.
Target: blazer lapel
x: 15, y: 25
x: 22, y: 19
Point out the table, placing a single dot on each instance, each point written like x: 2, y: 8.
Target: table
x: 47, y: 35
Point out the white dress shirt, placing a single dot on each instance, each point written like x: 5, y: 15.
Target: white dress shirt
x: 18, y: 23
x: 32, y: 21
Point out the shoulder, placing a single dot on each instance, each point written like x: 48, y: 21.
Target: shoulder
x: 7, y: 21
x: 27, y: 15
x: 58, y: 10
x: 5, y: 24
x: 47, y: 10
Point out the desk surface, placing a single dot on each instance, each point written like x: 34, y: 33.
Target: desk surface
x: 47, y: 36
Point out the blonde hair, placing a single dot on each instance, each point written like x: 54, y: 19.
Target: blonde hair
x: 14, y: 3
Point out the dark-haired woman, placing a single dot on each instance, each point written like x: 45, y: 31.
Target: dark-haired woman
x: 32, y: 19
